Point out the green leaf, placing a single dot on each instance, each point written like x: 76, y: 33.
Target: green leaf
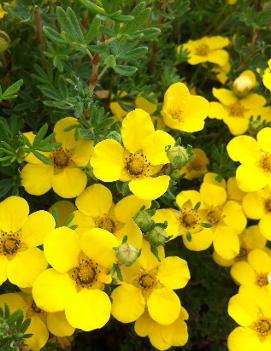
x: 69, y: 25
x: 141, y: 14
x: 93, y: 7
x: 5, y: 186
x: 206, y: 225
x: 197, y: 206
x: 53, y: 35
x: 75, y: 24
x: 41, y: 134
x: 42, y: 158
x: 125, y: 70
x: 11, y: 92
x: 93, y: 30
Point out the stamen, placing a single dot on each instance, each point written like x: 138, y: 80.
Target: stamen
x: 10, y: 243
x: 202, y: 50
x: 137, y: 165
x: 263, y: 327
x: 61, y: 158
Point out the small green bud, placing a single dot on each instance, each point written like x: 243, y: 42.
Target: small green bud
x: 157, y: 236
x: 144, y: 221
x: 127, y: 254
x: 178, y: 156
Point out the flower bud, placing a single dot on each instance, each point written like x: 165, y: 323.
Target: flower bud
x: 4, y: 41
x: 244, y: 83
x: 144, y: 221
x: 178, y: 156
x: 127, y: 254
x: 157, y: 236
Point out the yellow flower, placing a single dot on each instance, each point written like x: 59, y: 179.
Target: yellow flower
x: 118, y: 111
x: 257, y: 205
x: 162, y: 337
x: 255, y: 271
x: 64, y: 174
x: 267, y: 76
x: 252, y: 313
x: 41, y: 322
x: 250, y: 239
x: 197, y: 167
x: 21, y: 261
x: 233, y: 190
x: 145, y: 104
x: 182, y: 110
x: 79, y: 274
x: 236, y: 111
x: 149, y: 283
x: 244, y: 83
x: 232, y: 2
x: 2, y: 12
x: 207, y: 49
x: 141, y: 158
x: 254, y: 173
x: 222, y: 72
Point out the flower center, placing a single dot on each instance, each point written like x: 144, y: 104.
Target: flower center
x: 214, y: 215
x: 268, y: 205
x: 265, y: 162
x: 105, y: 222
x: 202, y: 50
x: 137, y: 164
x: 190, y: 219
x: 10, y: 243
x: 236, y: 110
x: 60, y: 158
x: 147, y: 280
x: 85, y: 275
x: 263, y: 327
x: 262, y: 280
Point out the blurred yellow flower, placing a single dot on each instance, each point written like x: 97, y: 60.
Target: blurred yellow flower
x: 267, y: 76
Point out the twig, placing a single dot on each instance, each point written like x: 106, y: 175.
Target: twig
x: 41, y: 38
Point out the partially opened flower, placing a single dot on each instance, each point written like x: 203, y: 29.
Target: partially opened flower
x: 182, y: 110
x: 163, y: 337
x: 254, y: 173
x: 21, y: 261
x: 64, y: 174
x: 207, y: 49
x: 79, y: 274
x: 244, y: 83
x: 149, y: 284
x: 139, y: 160
x: 41, y: 322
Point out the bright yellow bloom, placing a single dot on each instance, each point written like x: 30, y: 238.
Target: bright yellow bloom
x: 162, y: 337
x: 141, y: 158
x: 150, y: 283
x: 267, y: 76
x: 257, y: 205
x: 207, y: 49
x: 236, y: 111
x: 21, y: 261
x: 222, y: 72
x: 2, y: 12
x: 79, y: 274
x: 64, y: 174
x: 183, y: 111
x: 145, y: 104
x: 250, y: 239
x: 256, y: 271
x: 197, y: 167
x: 118, y: 111
x: 41, y: 322
x: 244, y: 83
x: 252, y: 313
x: 254, y: 173
x: 233, y: 190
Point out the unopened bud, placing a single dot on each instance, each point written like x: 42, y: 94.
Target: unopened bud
x: 4, y: 41
x: 144, y: 220
x: 244, y: 83
x: 178, y: 156
x: 157, y: 236
x: 127, y: 254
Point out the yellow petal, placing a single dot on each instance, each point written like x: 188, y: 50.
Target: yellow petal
x: 155, y: 147
x: 225, y: 96
x: 37, y: 178
x: 69, y: 182
x: 14, y: 302
x: 82, y: 152
x: 122, y: 308
x: 234, y: 216
x: 263, y: 138
x: 98, y: 245
x: 36, y: 227
x: 58, y: 325
x: 173, y: 272
x: 127, y: 207
x: 156, y: 338
x: 95, y: 200
x: 68, y: 257
x: 173, y: 224
x: 251, y: 178
x: 52, y: 290
x: 188, y: 196
x: 260, y: 261
x: 107, y: 160
x: 243, y: 273
x: 25, y: 267
x: 221, y: 261
x: 147, y: 260
x: 243, y: 339
x: 253, y: 100
x: 144, y: 325
x: 237, y: 126
x: 243, y: 309
x: 146, y: 105
x: 200, y: 241
x: 265, y: 226
x: 251, y: 238
x: 164, y: 306
x: 254, y: 205
x: 39, y: 333
x: 137, y: 126
x: 212, y: 195
x: 217, y: 42
x: 149, y: 188
x: 226, y: 242
x: 244, y: 149
x: 67, y: 138
x: 83, y: 222
x: 13, y: 213
x: 233, y: 190
x: 219, y: 57
x: 217, y: 110
x: 133, y: 233
x: 175, y: 334
x: 88, y: 310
